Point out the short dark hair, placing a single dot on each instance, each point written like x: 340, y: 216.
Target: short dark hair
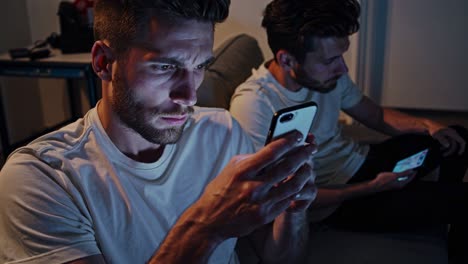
x: 292, y: 25
x: 120, y: 21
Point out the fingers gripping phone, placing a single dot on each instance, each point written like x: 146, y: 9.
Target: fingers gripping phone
x: 298, y: 117
x: 410, y: 162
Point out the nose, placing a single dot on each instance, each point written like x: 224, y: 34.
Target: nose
x: 341, y: 67
x: 185, y: 91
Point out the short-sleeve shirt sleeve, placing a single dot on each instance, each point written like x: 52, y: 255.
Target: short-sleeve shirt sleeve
x: 39, y: 221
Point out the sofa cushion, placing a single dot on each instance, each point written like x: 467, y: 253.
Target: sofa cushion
x: 234, y: 60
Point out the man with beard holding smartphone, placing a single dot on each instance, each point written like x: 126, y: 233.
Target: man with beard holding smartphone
x: 146, y: 177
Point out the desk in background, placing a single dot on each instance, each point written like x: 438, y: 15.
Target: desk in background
x: 62, y: 66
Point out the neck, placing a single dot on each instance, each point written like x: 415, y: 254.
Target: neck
x: 130, y: 143
x: 283, y: 76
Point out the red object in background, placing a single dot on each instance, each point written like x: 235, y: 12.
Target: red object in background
x: 85, y: 9
x: 83, y: 5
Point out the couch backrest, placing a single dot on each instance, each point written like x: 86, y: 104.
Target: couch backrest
x: 234, y: 60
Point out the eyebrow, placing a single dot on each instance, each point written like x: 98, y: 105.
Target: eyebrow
x: 168, y: 60
x: 165, y: 60
x: 176, y: 62
x: 208, y: 61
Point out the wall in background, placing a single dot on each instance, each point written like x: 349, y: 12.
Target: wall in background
x: 245, y: 16
x: 31, y: 104
x: 19, y: 95
x: 416, y: 54
x: 43, y: 20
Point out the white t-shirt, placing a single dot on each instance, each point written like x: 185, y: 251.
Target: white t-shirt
x: 255, y: 101
x: 72, y: 193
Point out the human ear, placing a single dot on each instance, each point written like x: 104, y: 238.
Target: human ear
x: 285, y: 60
x: 102, y: 59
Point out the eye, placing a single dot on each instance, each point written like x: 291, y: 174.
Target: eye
x: 329, y: 61
x: 201, y: 67
x: 205, y: 65
x: 164, y: 67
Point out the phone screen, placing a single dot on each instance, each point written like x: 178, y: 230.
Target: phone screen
x: 411, y: 162
x: 299, y: 117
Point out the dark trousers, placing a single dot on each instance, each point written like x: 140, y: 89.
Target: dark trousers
x: 420, y: 203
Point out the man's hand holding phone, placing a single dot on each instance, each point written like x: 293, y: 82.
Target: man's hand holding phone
x: 308, y: 193
x: 300, y: 118
x: 254, y: 189
x: 403, y: 172
x: 386, y: 181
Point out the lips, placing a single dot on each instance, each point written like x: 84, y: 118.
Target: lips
x: 175, y: 120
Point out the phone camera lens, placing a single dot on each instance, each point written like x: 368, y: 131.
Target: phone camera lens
x: 286, y: 118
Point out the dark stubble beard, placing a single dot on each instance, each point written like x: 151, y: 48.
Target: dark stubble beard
x: 312, y: 84
x: 133, y: 114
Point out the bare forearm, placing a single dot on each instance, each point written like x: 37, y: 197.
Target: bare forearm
x: 386, y: 120
x: 396, y: 122
x: 187, y: 242
x: 287, y: 241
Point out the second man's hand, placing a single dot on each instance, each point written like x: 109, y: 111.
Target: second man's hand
x: 386, y: 181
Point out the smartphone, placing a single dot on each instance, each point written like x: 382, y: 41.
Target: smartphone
x: 298, y: 117
x: 410, y: 162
